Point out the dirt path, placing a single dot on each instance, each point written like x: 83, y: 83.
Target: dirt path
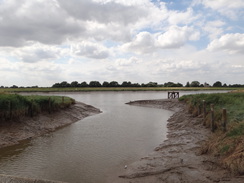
x: 13, y: 132
x: 177, y: 159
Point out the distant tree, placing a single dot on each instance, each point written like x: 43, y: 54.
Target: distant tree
x: 56, y: 85
x: 74, y: 84
x: 168, y: 84
x: 126, y: 84
x: 105, y: 84
x: 217, y: 84
x: 113, y: 84
x: 236, y: 85
x: 225, y: 85
x: 172, y: 84
x: 135, y: 85
x: 14, y: 86
x: 95, y: 84
x: 64, y: 84
x: 206, y: 85
x: 195, y: 84
x: 187, y: 84
x: 151, y: 84
x: 83, y: 84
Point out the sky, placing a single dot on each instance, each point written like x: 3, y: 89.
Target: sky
x: 43, y: 42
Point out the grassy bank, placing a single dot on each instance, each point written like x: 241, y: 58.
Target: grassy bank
x: 227, y: 145
x: 14, y: 106
x: 90, y: 89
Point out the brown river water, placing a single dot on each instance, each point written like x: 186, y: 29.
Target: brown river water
x: 92, y: 149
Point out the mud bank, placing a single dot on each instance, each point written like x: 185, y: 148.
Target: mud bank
x: 178, y: 158
x: 13, y: 132
x: 14, y: 179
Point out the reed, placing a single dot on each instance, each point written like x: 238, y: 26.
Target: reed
x: 14, y: 106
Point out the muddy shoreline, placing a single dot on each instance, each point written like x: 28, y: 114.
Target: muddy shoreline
x: 177, y: 159
x: 12, y: 132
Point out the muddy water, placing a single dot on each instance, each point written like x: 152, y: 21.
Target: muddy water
x: 91, y: 149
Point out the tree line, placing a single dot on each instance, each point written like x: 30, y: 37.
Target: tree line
x: 76, y: 84
x: 65, y: 84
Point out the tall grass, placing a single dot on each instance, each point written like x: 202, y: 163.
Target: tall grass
x: 13, y: 106
x: 233, y: 102
x: 229, y: 145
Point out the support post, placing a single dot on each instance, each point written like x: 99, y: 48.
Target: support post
x: 10, y: 110
x: 31, y: 108
x: 49, y: 105
x: 62, y: 99
x: 199, y: 110
x: 204, y: 112
x: 212, y: 118
x: 224, y: 118
x: 172, y: 95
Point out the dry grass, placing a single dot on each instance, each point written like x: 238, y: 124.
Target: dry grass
x: 227, y: 146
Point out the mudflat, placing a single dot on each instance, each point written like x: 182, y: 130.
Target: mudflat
x: 12, y: 132
x: 179, y: 158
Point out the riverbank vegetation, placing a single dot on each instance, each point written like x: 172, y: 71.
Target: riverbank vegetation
x: 14, y: 106
x: 102, y: 89
x: 227, y: 144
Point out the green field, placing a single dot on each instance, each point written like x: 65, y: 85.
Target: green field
x: 89, y: 89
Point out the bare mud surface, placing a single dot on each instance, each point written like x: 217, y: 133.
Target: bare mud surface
x: 12, y: 132
x: 178, y: 158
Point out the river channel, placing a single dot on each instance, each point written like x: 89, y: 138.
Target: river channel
x: 92, y: 149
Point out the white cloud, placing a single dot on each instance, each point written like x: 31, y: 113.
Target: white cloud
x: 178, y: 17
x: 59, y: 21
x: 176, y: 37
x: 127, y: 62
x: 232, y: 9
x: 232, y: 43
x: 144, y: 42
x: 37, y: 52
x: 41, y: 21
x: 214, y: 28
x: 7, y: 66
x: 103, y: 12
x: 90, y: 50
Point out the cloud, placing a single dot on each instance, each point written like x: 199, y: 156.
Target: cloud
x: 41, y: 21
x: 144, y: 42
x: 7, y: 66
x: 127, y: 62
x: 174, y: 37
x: 103, y: 12
x: 178, y: 17
x: 60, y: 21
x: 37, y: 53
x: 90, y: 50
x: 231, y: 9
x: 232, y: 43
x: 214, y: 28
